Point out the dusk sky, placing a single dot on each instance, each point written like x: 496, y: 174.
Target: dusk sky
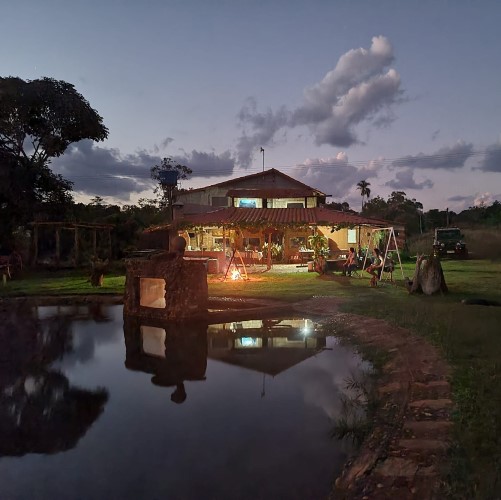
x: 403, y: 94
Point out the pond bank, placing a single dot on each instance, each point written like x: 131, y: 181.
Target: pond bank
x: 405, y: 453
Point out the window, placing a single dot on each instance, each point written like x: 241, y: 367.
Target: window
x: 298, y: 242
x: 152, y: 292
x: 219, y: 241
x: 219, y: 201
x: 245, y: 203
x: 295, y: 205
x: 252, y: 243
x: 352, y: 235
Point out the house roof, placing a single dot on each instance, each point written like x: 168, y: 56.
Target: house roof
x: 271, y: 216
x: 268, y: 361
x: 273, y: 193
x: 233, y: 216
x: 267, y: 173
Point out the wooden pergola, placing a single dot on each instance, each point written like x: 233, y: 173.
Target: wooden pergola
x: 70, y: 226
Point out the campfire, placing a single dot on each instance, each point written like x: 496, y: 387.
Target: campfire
x: 235, y: 274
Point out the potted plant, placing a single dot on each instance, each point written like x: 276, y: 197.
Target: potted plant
x: 320, y: 246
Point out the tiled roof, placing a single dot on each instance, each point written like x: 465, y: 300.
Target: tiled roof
x: 275, y: 217
x: 273, y: 193
x: 272, y: 172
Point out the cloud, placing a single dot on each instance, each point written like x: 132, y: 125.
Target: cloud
x: 208, y: 164
x: 106, y: 172
x: 263, y: 126
x: 361, y: 88
x: 483, y: 199
x: 405, y: 180
x: 163, y: 145
x: 335, y: 175
x: 448, y: 158
x: 492, y: 159
x: 435, y: 134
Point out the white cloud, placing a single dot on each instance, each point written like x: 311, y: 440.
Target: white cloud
x: 361, y: 88
x: 483, y: 199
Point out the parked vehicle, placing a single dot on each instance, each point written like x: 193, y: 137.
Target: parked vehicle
x: 449, y: 241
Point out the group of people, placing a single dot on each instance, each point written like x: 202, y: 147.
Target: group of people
x: 373, y: 269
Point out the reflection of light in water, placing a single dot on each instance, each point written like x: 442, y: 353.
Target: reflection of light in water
x: 246, y: 342
x: 153, y: 341
x: 306, y: 327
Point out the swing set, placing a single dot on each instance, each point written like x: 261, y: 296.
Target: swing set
x: 391, y: 246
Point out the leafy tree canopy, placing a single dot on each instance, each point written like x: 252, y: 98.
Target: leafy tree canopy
x: 39, y: 119
x: 167, y: 193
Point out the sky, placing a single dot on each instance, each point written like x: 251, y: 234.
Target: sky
x: 403, y: 94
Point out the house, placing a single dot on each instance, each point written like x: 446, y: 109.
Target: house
x: 263, y: 216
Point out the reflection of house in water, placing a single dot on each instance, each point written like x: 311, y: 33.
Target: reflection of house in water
x: 172, y: 353
x: 266, y: 346
x: 40, y: 412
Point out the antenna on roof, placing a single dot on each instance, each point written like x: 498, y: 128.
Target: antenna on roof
x: 262, y: 151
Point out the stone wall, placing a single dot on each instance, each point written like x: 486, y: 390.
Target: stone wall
x: 166, y: 286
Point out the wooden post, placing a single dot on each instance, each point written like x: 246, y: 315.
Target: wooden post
x: 35, y: 244
x: 94, y: 243
x: 58, y: 246
x: 268, y: 260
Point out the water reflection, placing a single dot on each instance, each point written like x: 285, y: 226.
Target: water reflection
x: 258, y: 401
x: 269, y: 346
x: 172, y: 353
x: 40, y: 412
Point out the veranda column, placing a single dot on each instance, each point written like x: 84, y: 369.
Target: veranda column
x: 268, y: 261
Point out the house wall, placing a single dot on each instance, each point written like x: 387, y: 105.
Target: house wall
x: 266, y: 181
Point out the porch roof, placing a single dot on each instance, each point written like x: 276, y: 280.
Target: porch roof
x: 273, y: 217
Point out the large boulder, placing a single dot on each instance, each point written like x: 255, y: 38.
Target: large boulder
x: 428, y: 276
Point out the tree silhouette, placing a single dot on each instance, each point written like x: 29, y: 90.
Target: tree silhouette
x: 39, y: 119
x: 364, y: 190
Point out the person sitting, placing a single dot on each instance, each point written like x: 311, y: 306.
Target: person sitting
x: 375, y: 268
x: 351, y: 263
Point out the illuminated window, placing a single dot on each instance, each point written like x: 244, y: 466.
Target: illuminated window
x: 246, y: 203
x: 248, y: 343
x: 352, y: 235
x: 152, y: 292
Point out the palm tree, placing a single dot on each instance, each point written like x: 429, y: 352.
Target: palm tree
x: 364, y: 190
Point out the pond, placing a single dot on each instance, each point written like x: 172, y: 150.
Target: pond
x: 91, y: 407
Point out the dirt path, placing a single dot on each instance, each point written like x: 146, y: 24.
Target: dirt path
x: 403, y: 456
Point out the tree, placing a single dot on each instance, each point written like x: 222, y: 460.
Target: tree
x: 39, y: 119
x: 364, y: 190
x: 167, y: 191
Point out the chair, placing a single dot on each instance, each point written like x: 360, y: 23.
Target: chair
x: 389, y: 267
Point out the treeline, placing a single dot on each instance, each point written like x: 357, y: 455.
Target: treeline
x: 409, y: 213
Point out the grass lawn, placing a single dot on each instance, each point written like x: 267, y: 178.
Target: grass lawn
x: 468, y: 335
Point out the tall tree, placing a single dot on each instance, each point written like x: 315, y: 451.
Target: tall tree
x: 166, y: 175
x: 39, y: 119
x: 364, y: 190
